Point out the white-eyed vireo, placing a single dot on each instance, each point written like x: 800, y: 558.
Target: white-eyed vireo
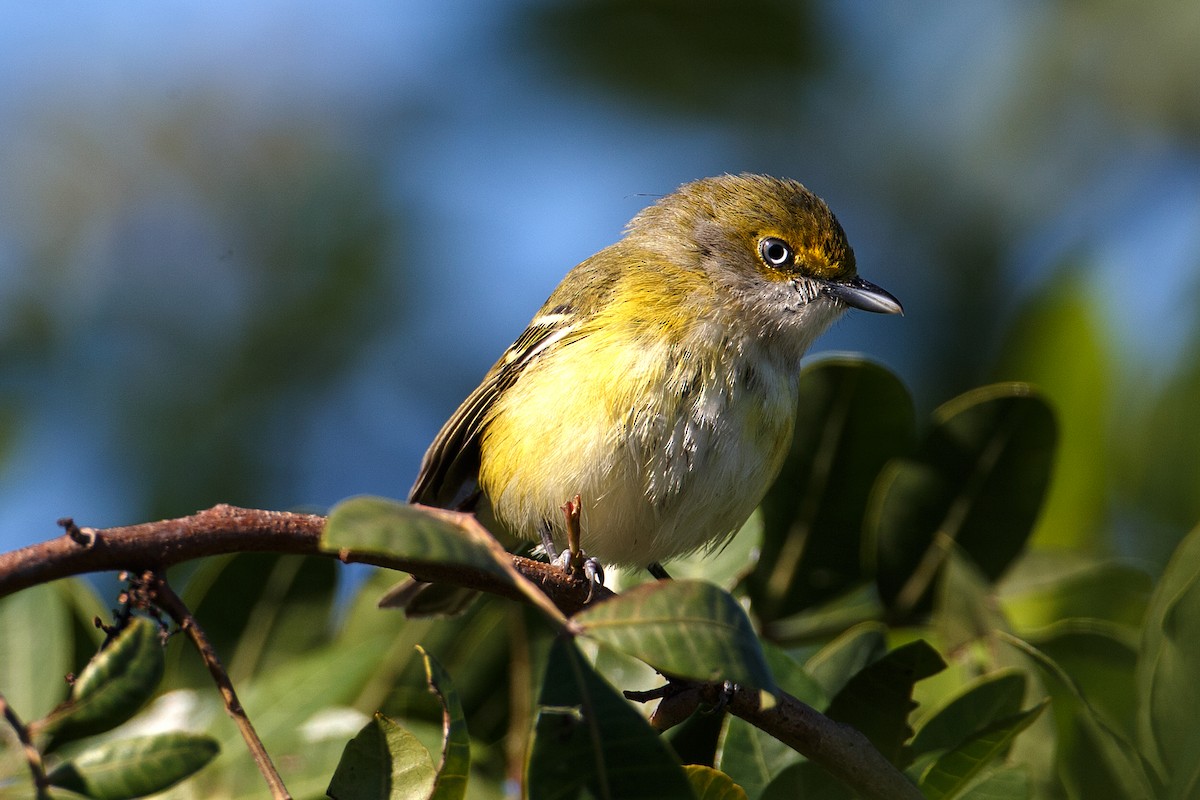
x: 659, y: 381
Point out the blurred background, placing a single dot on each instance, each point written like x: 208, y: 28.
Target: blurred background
x: 258, y: 253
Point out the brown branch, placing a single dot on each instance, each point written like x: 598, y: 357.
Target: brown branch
x: 842, y: 750
x: 154, y: 546
x: 33, y: 758
x: 166, y: 599
x: 228, y: 529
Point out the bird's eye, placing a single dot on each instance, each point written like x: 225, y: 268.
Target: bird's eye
x: 775, y: 252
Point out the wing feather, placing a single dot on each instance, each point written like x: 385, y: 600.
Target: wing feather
x: 450, y: 468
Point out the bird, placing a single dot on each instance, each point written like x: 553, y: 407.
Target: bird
x: 659, y: 381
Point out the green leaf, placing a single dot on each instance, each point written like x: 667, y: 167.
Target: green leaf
x: 112, y: 688
x: 806, y: 781
x: 990, y: 698
x: 689, y: 629
x: 1094, y: 758
x: 955, y: 769
x: 833, y: 665
x: 977, y: 481
x: 1059, y: 344
x: 878, y: 699
x: 752, y: 757
x: 386, y: 527
x: 134, y: 767
x: 1101, y: 657
x: 1167, y: 688
x: 1109, y: 591
x: 35, y: 627
x: 451, y: 781
x: 589, y: 738
x: 852, y: 417
x: 710, y: 784
x: 259, y: 611
x: 383, y: 762
x: 1010, y: 783
x: 965, y: 608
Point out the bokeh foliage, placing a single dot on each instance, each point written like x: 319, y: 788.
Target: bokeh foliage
x: 186, y: 304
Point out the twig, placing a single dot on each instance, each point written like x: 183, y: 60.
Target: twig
x: 41, y: 784
x: 842, y: 750
x: 166, y: 599
x: 226, y: 529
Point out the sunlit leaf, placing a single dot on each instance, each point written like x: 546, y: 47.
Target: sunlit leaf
x: 386, y: 527
x: 135, y: 767
x: 1059, y: 344
x: 1108, y: 591
x: 977, y: 481
x: 589, y: 738
x: 451, y: 781
x: 112, y: 688
x: 689, y: 629
x: 383, y: 762
x: 710, y: 784
x: 853, y: 416
x: 35, y: 628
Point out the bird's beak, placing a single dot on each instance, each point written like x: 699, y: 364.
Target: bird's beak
x: 859, y: 293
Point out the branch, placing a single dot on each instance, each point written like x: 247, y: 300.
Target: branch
x: 165, y: 598
x: 227, y: 529
x: 841, y: 749
x: 33, y: 758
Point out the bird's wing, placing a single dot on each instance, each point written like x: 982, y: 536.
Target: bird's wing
x: 450, y: 468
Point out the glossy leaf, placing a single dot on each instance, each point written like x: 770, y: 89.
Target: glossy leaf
x: 589, y: 738
x: 955, y: 769
x: 112, y: 688
x: 710, y: 784
x: 688, y: 629
x: 1169, y: 662
x: 386, y: 527
x: 878, y: 699
x: 853, y: 416
x: 988, y: 699
x: 977, y: 481
x: 383, y: 762
x: 451, y: 783
x: 135, y: 767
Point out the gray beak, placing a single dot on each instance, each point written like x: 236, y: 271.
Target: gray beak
x: 862, y: 294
